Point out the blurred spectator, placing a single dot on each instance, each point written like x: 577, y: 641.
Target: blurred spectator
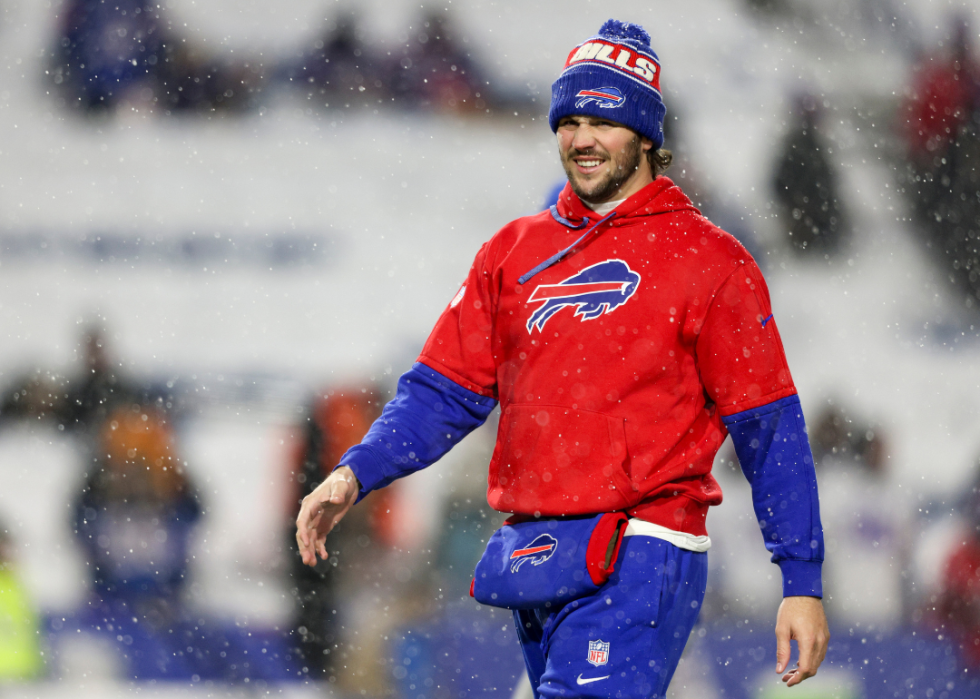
x: 958, y: 605
x: 836, y: 436
x: 124, y: 52
x: 136, y: 514
x: 106, y: 50
x: 865, y: 521
x: 20, y: 654
x: 953, y: 232
x: 79, y: 403
x: 940, y: 127
x: 99, y: 389
x: 134, y: 520
x: 190, y: 80
x: 943, y: 95
x: 806, y: 187
x: 433, y: 70
x: 110, y: 55
x: 337, y: 420
x: 340, y: 66
x: 34, y: 396
x: 768, y: 7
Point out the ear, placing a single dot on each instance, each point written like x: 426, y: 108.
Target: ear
x: 645, y: 144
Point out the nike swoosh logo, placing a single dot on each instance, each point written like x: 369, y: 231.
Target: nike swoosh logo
x: 579, y: 680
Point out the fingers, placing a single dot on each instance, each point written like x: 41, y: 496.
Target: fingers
x: 793, y: 677
x: 312, y: 541
x: 798, y: 674
x: 813, y: 648
x: 805, y: 667
x: 307, y: 523
x: 805, y: 664
x: 321, y: 511
x: 782, y: 649
x: 305, y: 529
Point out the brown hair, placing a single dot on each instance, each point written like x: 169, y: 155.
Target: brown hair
x: 659, y: 161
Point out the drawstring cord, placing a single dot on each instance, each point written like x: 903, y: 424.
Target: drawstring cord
x: 565, y: 222
x: 559, y: 255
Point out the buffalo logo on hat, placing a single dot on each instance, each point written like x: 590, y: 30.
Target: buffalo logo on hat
x: 605, y: 97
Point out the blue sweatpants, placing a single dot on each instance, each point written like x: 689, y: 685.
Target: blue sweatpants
x: 624, y: 641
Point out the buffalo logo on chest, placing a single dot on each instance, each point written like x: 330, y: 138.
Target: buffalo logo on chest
x: 599, y: 289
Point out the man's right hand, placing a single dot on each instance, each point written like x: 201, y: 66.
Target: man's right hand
x: 321, y: 510
x: 802, y: 619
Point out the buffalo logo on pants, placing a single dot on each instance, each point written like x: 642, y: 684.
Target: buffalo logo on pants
x: 598, y: 652
x: 538, y: 551
x: 599, y: 289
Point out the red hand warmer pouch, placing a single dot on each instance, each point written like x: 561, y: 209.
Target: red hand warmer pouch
x: 547, y: 562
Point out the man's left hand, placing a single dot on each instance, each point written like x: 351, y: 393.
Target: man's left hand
x: 802, y: 619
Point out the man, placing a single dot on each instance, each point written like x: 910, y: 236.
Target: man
x: 622, y: 334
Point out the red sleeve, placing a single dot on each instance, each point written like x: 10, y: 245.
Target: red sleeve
x: 460, y: 345
x: 740, y: 355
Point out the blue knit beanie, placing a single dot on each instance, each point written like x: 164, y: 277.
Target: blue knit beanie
x: 614, y: 75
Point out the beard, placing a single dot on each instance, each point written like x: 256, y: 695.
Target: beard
x: 603, y: 188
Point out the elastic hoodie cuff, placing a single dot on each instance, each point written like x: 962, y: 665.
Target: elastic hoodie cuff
x: 801, y: 578
x: 367, y: 466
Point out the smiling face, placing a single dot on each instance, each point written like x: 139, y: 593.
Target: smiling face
x: 604, y: 161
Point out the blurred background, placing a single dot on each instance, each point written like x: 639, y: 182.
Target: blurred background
x: 226, y: 228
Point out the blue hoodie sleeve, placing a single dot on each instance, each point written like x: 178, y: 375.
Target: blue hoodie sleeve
x: 427, y: 417
x: 774, y: 452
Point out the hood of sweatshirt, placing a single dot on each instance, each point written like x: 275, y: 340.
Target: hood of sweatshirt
x: 659, y: 197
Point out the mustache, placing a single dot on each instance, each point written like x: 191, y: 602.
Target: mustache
x: 573, y: 152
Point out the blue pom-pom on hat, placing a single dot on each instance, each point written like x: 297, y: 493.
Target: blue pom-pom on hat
x: 613, y: 75
x: 614, y: 29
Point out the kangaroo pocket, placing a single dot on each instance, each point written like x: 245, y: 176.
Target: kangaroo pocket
x: 552, y: 460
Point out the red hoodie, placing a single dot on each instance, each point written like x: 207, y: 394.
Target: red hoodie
x: 614, y: 365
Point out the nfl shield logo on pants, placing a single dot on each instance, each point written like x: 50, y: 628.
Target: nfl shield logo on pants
x: 598, y: 653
